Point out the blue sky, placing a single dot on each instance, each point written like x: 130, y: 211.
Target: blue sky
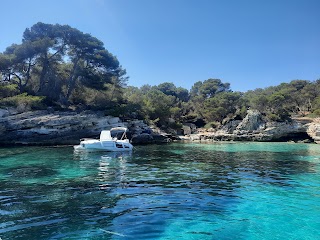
x: 248, y: 43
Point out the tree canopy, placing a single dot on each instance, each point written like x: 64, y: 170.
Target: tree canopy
x: 53, y: 60
x: 60, y: 66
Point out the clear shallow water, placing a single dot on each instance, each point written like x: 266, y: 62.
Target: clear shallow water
x: 175, y: 191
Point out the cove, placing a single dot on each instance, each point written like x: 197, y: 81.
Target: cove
x: 172, y: 191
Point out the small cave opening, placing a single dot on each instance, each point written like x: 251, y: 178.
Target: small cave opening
x: 296, y: 137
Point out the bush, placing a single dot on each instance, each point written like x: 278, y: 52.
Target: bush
x: 315, y: 113
x: 24, y: 102
x: 211, y: 125
x: 116, y: 110
x: 175, y: 125
x: 8, y: 90
x: 280, y: 116
x: 273, y: 117
x: 191, y: 117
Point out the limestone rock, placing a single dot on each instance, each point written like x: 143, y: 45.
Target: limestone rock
x: 189, y: 128
x: 253, y: 121
x: 4, y: 113
x: 313, y: 130
x: 254, y: 127
x: 146, y: 138
x: 186, y: 130
x: 143, y: 138
x: 47, y: 128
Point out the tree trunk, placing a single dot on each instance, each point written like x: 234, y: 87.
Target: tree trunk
x: 45, y: 66
x: 28, y: 76
x: 72, y: 79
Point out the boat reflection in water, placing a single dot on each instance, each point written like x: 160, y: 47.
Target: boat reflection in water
x: 112, y: 170
x: 111, y: 166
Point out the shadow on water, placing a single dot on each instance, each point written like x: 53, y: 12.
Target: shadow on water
x: 72, y: 195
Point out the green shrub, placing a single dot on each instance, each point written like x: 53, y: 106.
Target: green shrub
x: 24, y: 102
x: 191, y: 117
x: 273, y: 117
x: 175, y: 125
x: 211, y: 125
x: 8, y: 90
x: 315, y: 113
x: 116, y: 110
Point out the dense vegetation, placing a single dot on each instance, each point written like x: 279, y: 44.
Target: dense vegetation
x: 61, y: 67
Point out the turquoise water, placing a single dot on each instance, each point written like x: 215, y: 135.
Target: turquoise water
x: 174, y: 191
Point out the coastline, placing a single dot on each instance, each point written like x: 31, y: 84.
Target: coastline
x: 49, y: 128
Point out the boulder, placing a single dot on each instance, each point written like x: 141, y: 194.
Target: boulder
x: 146, y: 138
x: 253, y: 121
x: 313, y: 130
x: 186, y: 130
x: 230, y: 126
x: 143, y: 138
x: 4, y: 113
x: 191, y: 126
x: 162, y: 138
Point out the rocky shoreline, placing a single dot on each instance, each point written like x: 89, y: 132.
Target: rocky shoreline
x: 48, y: 127
x: 254, y: 127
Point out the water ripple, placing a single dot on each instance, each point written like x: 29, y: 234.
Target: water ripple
x: 176, y: 191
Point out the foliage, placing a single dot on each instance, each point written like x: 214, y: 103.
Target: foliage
x: 209, y: 88
x: 8, y: 90
x: 213, y: 100
x: 60, y: 66
x: 24, y: 102
x: 55, y: 59
x: 315, y: 113
x: 299, y: 97
x: 157, y: 104
x: 211, y: 125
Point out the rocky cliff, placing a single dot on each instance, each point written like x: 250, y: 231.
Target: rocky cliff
x: 313, y: 130
x: 45, y: 127
x: 48, y: 127
x: 255, y: 127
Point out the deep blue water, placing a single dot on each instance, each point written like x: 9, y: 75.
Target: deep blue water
x: 174, y: 191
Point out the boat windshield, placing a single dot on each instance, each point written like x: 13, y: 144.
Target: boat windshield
x: 105, y: 136
x: 119, y: 133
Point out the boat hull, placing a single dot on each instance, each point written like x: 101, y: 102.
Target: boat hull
x: 110, y: 146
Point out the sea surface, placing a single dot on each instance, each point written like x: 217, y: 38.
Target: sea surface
x: 171, y: 191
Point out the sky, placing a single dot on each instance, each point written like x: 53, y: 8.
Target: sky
x: 247, y: 43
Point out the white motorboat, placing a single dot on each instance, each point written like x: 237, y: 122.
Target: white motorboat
x: 107, y: 142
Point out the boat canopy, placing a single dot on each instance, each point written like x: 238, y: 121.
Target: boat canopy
x: 107, y: 136
x: 119, y: 129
